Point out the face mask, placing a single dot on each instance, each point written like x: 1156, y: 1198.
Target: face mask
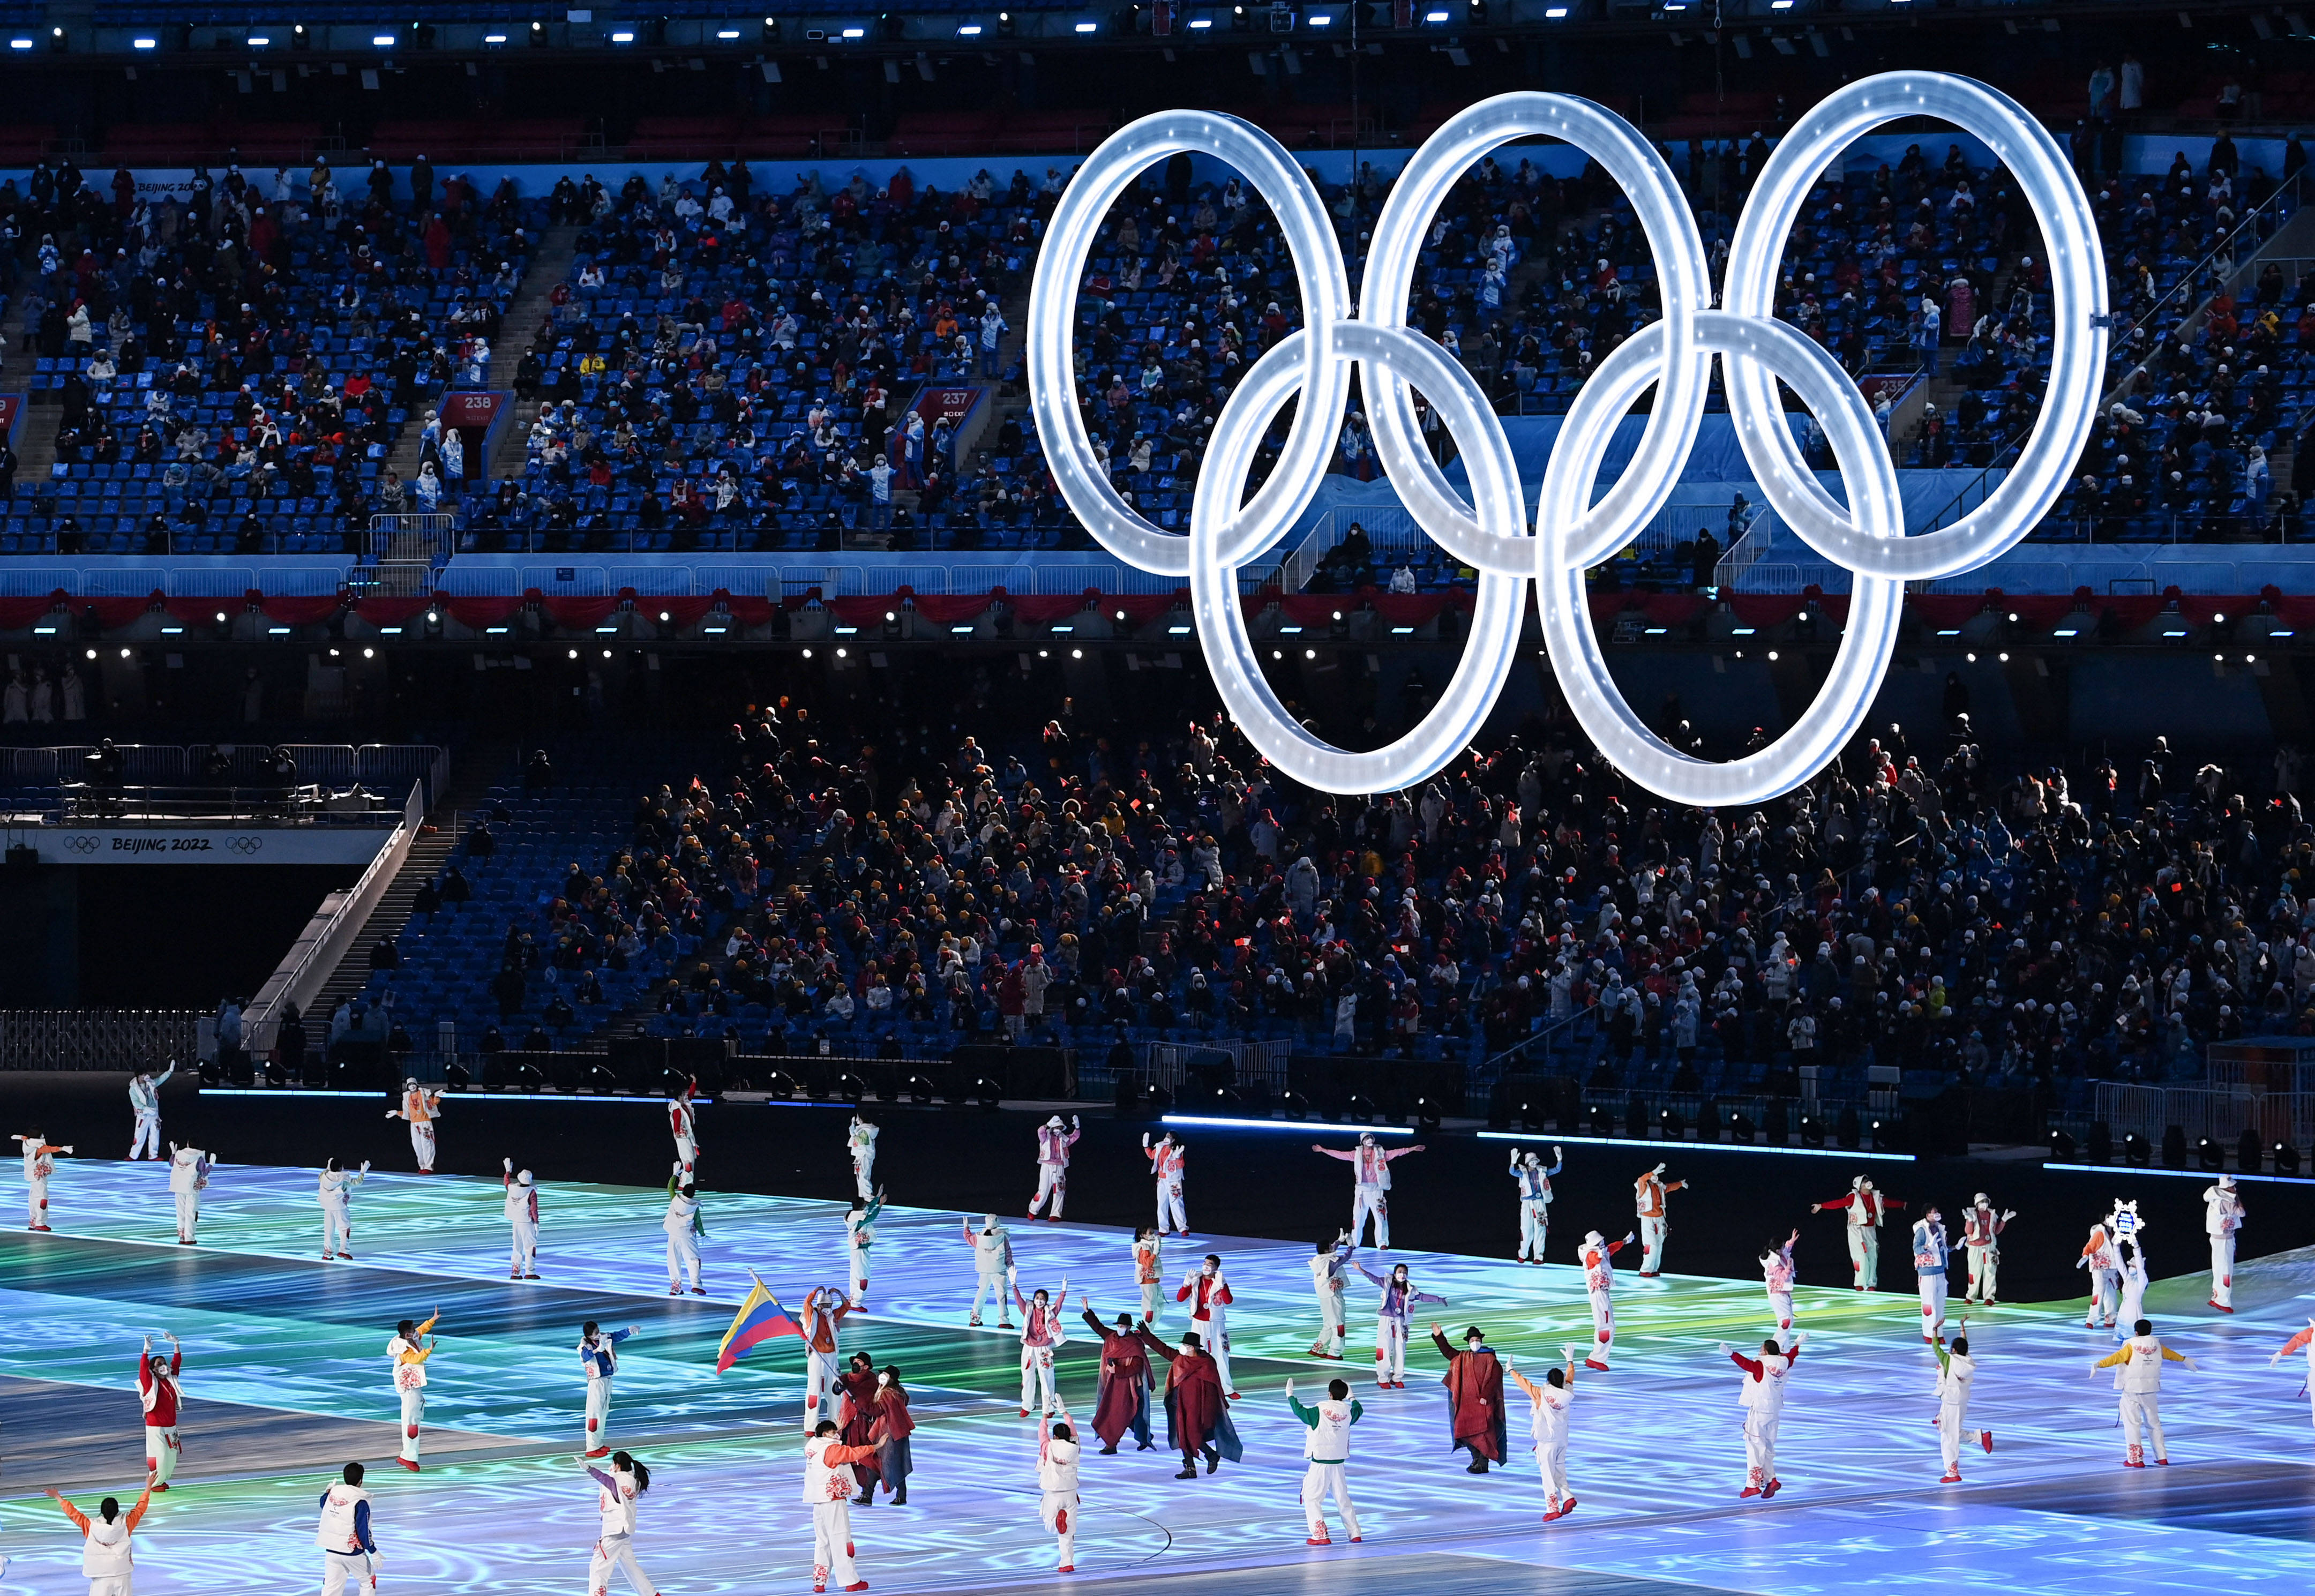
x: 883, y: 1380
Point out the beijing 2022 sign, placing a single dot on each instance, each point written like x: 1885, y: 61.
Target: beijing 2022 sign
x: 1488, y: 531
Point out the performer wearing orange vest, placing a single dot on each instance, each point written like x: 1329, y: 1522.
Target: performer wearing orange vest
x: 421, y: 1108
x: 1649, y: 1192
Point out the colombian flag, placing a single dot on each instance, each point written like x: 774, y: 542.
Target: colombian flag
x: 760, y: 1317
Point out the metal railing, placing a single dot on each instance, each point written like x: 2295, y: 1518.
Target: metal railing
x: 1169, y: 1064
x: 2222, y: 1113
x: 97, y: 1038
x: 384, y: 766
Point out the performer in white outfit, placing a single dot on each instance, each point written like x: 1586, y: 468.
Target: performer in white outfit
x: 421, y: 1108
x: 145, y: 1103
x: 829, y: 1485
x: 993, y: 1266
x: 861, y: 1142
x: 1648, y: 1194
x: 618, y: 1489
x: 2105, y: 1278
x: 822, y: 1323
x: 40, y: 1163
x: 1931, y: 1253
x: 2137, y: 1366
x: 2223, y: 1217
x: 1166, y: 1157
x: 408, y: 1353
x: 1598, y: 1256
x: 1865, y: 1208
x: 108, y: 1555
x: 2135, y: 1282
x: 349, y: 1554
x: 1326, y: 1280
x: 1370, y: 1193
x: 1534, y: 1183
x: 1042, y: 1332
x: 2304, y: 1341
x: 1763, y: 1401
x: 521, y: 1208
x: 1325, y: 1449
x: 683, y: 1120
x: 1149, y: 1270
x: 1980, y: 1232
x: 1394, y: 1311
x: 1955, y: 1371
x: 684, y: 1228
x: 1548, y: 1426
x: 1209, y: 1297
x: 335, y: 1192
x: 1053, y: 1145
x: 859, y: 1236
x: 599, y: 1354
x: 1777, y: 1275
x: 189, y: 1177
x: 1057, y: 1486
x: 163, y: 1396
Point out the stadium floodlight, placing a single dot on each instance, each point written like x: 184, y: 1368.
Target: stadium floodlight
x: 494, y: 39
x: 382, y: 40
x: 969, y: 30
x: 259, y: 41
x: 727, y: 32
x: 1673, y: 356
x: 626, y: 36
x: 145, y: 44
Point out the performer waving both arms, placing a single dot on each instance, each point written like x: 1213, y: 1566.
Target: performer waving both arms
x: 1763, y: 1401
x: 1534, y: 1183
x: 107, y: 1559
x: 1549, y: 1428
x: 1777, y: 1274
x: 2138, y: 1364
x: 1370, y: 1166
x: 1209, y: 1297
x: 409, y: 1351
x: 163, y: 1396
x: 1395, y: 1308
x: 1042, y: 1334
x: 619, y: 1487
x: 1648, y: 1194
x: 421, y: 1108
x: 1865, y: 1208
x: 1166, y: 1157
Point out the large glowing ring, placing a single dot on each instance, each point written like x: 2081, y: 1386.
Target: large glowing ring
x: 1672, y: 355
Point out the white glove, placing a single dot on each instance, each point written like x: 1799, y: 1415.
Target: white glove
x: 1724, y: 1348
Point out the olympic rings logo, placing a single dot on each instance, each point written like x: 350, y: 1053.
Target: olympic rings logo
x: 1673, y: 355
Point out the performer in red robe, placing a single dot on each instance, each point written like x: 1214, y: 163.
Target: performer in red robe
x: 1197, y: 1413
x: 889, y: 1426
x: 1123, y: 1400
x: 1475, y: 1397
x: 856, y: 1416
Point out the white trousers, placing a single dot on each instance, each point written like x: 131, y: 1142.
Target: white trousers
x: 2106, y: 1296
x: 682, y: 1257
x: 113, y: 1585
x: 598, y: 1412
x: 1173, y: 1213
x: 2143, y: 1407
x: 1652, y: 1243
x: 1984, y: 1263
x: 1052, y: 1181
x: 413, y: 1414
x: 522, y: 1250
x: 162, y: 1450
x: 1603, y: 1327
x: 1331, y: 1330
x: 1953, y: 1420
x: 36, y: 1201
x: 1865, y: 1256
x: 617, y: 1551
x: 147, y: 1142
x: 1320, y: 1481
x: 1391, y: 1350
x: 857, y: 1258
x: 2222, y: 1270
x: 1037, y: 1379
x: 337, y: 1228
x: 819, y: 1372
x: 1535, y: 1219
x: 1780, y: 1303
x: 992, y: 1285
x: 1760, y: 1445
x: 1933, y: 1306
x: 1152, y: 1303
x: 421, y: 1142
x: 862, y: 1172
x: 1059, y: 1509
x: 1551, y: 1466
x: 189, y: 1213
x: 686, y: 1152
x: 338, y: 1570
x: 1369, y: 1200
x: 831, y: 1544
x: 1214, y: 1335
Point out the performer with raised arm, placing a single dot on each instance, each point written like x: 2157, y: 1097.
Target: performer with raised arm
x: 824, y: 1311
x: 1393, y: 1309
x: 107, y: 1556
x: 618, y: 1489
x: 1955, y: 1371
x: 1053, y: 1145
x: 335, y: 1192
x: 145, y: 1108
x: 1648, y: 1194
x: 992, y: 1265
x: 421, y: 1108
x: 2132, y: 1251
x: 1865, y: 1208
x: 1599, y: 1257
x: 1209, y: 1297
x: 163, y: 1396
x: 1930, y: 1255
x: 859, y: 1236
x: 408, y: 1353
x: 1548, y: 1426
x: 1777, y: 1275
x: 1370, y: 1166
x: 189, y: 1177
x: 1197, y: 1418
x: 2223, y: 1211
x: 828, y: 1486
x: 2105, y: 1278
x: 1763, y: 1401
x: 1534, y: 1183
x: 1980, y: 1232
x: 2137, y: 1366
x: 1148, y: 1269
x: 1167, y: 1156
x: 860, y: 1141
x: 1057, y: 1484
x: 40, y: 1163
x: 2303, y: 1341
x: 1121, y: 1399
x: 685, y: 1227
x: 522, y: 1221
x: 349, y: 1554
x: 599, y: 1354
x: 1325, y: 1449
x: 1327, y: 1278
x: 1042, y: 1336
x: 1475, y: 1397
x: 683, y: 1123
